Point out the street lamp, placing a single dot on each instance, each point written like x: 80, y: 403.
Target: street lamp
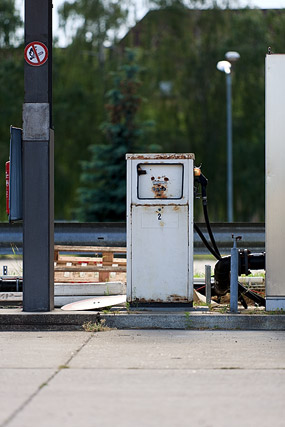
x: 225, y: 67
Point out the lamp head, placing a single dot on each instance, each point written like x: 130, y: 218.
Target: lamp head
x: 232, y: 56
x: 224, y: 66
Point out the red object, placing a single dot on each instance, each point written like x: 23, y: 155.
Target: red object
x: 7, y: 174
x: 36, y: 53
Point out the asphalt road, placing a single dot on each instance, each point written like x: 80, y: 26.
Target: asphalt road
x: 142, y: 378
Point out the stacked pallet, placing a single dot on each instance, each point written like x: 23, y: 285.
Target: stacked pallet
x: 89, y: 264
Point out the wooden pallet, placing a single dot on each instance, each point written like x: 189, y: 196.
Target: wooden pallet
x: 96, y: 264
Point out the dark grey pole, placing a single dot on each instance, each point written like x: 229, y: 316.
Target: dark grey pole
x: 230, y: 149
x: 208, y: 284
x: 234, y: 276
x: 38, y: 175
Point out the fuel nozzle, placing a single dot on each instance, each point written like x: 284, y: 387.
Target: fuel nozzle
x: 200, y: 179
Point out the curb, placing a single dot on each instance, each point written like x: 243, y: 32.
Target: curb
x: 15, y: 320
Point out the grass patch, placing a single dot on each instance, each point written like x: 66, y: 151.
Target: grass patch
x: 96, y: 326
x: 276, y: 312
x: 188, y: 321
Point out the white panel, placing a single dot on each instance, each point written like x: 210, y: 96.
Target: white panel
x: 273, y: 304
x: 275, y: 175
x: 160, y: 181
x: 160, y: 248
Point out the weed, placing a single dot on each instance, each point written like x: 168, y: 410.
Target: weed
x: 278, y: 311
x: 43, y: 385
x: 95, y: 326
x: 255, y: 311
x: 201, y: 304
x: 222, y: 310
x: 199, y: 275
x: 188, y: 321
x: 128, y: 306
x: 17, y: 267
x: 257, y: 274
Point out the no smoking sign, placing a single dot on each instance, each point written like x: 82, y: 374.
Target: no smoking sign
x: 36, y: 54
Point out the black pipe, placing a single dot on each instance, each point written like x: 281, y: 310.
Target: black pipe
x: 223, y: 267
x: 11, y: 285
x: 203, y: 181
x: 204, y: 240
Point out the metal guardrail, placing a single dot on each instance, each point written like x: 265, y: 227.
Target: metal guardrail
x: 114, y: 234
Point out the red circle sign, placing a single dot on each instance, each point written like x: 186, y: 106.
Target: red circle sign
x: 36, y: 54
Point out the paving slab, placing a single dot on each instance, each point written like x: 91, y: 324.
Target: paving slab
x: 38, y: 350
x: 183, y: 350
x: 152, y: 398
x: 18, y: 386
x: 147, y: 378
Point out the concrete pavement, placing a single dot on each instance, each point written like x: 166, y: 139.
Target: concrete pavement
x: 142, y: 378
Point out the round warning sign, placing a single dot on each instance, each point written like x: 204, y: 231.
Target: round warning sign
x: 36, y: 53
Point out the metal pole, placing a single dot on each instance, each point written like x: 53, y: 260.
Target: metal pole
x: 229, y: 149
x: 234, y: 276
x: 38, y: 219
x: 208, y: 283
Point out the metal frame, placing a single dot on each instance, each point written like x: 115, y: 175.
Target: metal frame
x: 38, y: 168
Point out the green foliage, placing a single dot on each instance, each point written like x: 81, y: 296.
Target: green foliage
x: 97, y: 19
x: 180, y: 90
x: 80, y: 82
x: 182, y: 47
x: 103, y: 191
x: 9, y: 22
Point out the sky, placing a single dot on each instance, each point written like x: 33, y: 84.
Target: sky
x: 140, y: 9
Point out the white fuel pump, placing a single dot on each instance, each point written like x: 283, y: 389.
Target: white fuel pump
x: 160, y: 229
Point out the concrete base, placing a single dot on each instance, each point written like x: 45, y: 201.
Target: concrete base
x: 15, y: 319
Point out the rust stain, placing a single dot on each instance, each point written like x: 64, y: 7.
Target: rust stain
x: 159, y: 187
x: 177, y: 298
x: 160, y: 156
x: 176, y: 208
x: 143, y: 300
x: 146, y: 205
x: 171, y: 298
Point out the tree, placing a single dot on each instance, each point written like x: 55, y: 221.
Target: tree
x: 103, y: 190
x: 9, y: 22
x: 182, y: 47
x: 97, y: 21
x: 80, y: 83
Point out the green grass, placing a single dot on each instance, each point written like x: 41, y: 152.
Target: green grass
x: 96, y: 326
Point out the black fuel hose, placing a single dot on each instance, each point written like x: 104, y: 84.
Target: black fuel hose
x: 203, y: 181
x: 206, y: 216
x: 251, y: 295
x: 204, y: 240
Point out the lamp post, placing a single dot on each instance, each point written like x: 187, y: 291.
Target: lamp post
x: 225, y: 67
